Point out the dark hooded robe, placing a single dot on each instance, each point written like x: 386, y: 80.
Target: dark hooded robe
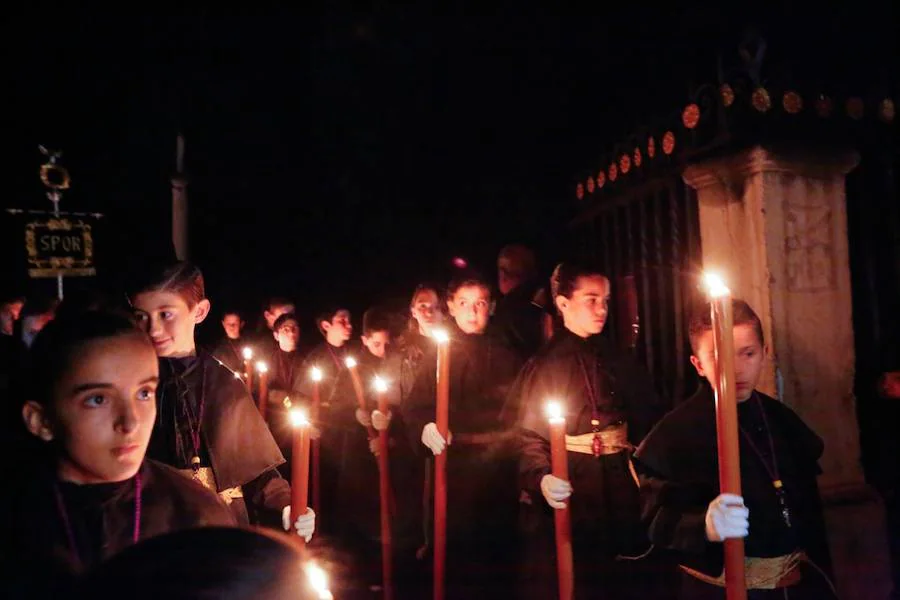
x: 678, y: 467
x: 235, y: 446
x: 38, y: 559
x: 592, y: 381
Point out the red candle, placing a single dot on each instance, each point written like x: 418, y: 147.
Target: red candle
x: 559, y: 466
x: 300, y: 465
x: 442, y: 420
x: 727, y: 424
x: 316, y: 375
x: 384, y: 489
x: 358, y: 389
x: 263, y: 399
x: 248, y: 371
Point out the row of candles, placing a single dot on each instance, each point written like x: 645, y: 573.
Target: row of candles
x: 726, y: 420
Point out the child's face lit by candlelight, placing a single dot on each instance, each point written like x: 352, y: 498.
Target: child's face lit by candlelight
x: 749, y: 354
x: 232, y: 324
x: 377, y: 342
x: 426, y: 310
x: 102, y: 410
x: 340, y: 328
x: 287, y: 336
x: 470, y: 308
x: 169, y: 321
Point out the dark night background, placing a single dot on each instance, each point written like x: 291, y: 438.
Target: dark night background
x: 345, y: 154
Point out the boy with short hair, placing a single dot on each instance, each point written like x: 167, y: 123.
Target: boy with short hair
x: 780, y: 513
x: 207, y: 424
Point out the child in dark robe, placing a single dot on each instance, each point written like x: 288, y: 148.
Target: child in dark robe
x: 230, y: 348
x: 285, y: 365
x: 779, y: 515
x: 328, y: 357
x: 481, y: 479
x: 358, y: 485
x: 91, y: 401
x: 609, y: 404
x: 207, y: 424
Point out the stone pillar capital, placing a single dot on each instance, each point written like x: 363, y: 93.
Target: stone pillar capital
x: 820, y: 163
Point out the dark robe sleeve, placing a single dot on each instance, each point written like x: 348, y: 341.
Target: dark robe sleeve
x: 269, y: 492
x: 420, y: 406
x: 674, y: 494
x: 534, y: 447
x: 344, y: 402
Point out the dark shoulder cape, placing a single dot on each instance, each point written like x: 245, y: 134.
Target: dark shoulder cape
x: 678, y: 465
x: 35, y: 547
x: 239, y: 444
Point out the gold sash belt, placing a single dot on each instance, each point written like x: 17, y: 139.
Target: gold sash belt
x: 204, y: 476
x: 613, y: 439
x: 761, y: 573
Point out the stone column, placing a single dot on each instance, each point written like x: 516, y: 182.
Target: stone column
x: 774, y: 223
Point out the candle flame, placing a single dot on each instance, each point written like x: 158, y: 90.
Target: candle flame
x: 318, y: 580
x: 440, y: 336
x: 315, y: 374
x: 554, y: 410
x: 350, y: 362
x: 248, y: 353
x: 715, y: 285
x: 262, y: 367
x: 298, y: 417
x: 380, y: 385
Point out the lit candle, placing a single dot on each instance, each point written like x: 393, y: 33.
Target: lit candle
x: 318, y: 581
x: 300, y: 465
x: 316, y: 375
x: 350, y: 362
x: 559, y: 467
x: 442, y: 420
x: 263, y: 370
x: 726, y: 422
x: 384, y: 489
x: 248, y: 371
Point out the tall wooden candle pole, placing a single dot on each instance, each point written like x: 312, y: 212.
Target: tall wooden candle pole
x: 727, y: 424
x: 559, y: 467
x: 316, y: 375
x: 263, y: 370
x: 299, y: 466
x: 442, y: 420
x: 247, y: 352
x: 384, y: 489
x: 350, y: 362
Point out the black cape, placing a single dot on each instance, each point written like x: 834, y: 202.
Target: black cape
x: 678, y: 468
x: 36, y: 553
x: 235, y: 441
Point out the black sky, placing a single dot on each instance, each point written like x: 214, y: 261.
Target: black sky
x: 345, y: 154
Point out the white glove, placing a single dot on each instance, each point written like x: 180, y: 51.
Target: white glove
x: 727, y: 518
x: 433, y: 439
x: 380, y: 420
x: 555, y: 490
x: 305, y: 525
x: 363, y: 418
x: 375, y: 446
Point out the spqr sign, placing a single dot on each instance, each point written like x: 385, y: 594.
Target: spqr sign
x: 59, y: 246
